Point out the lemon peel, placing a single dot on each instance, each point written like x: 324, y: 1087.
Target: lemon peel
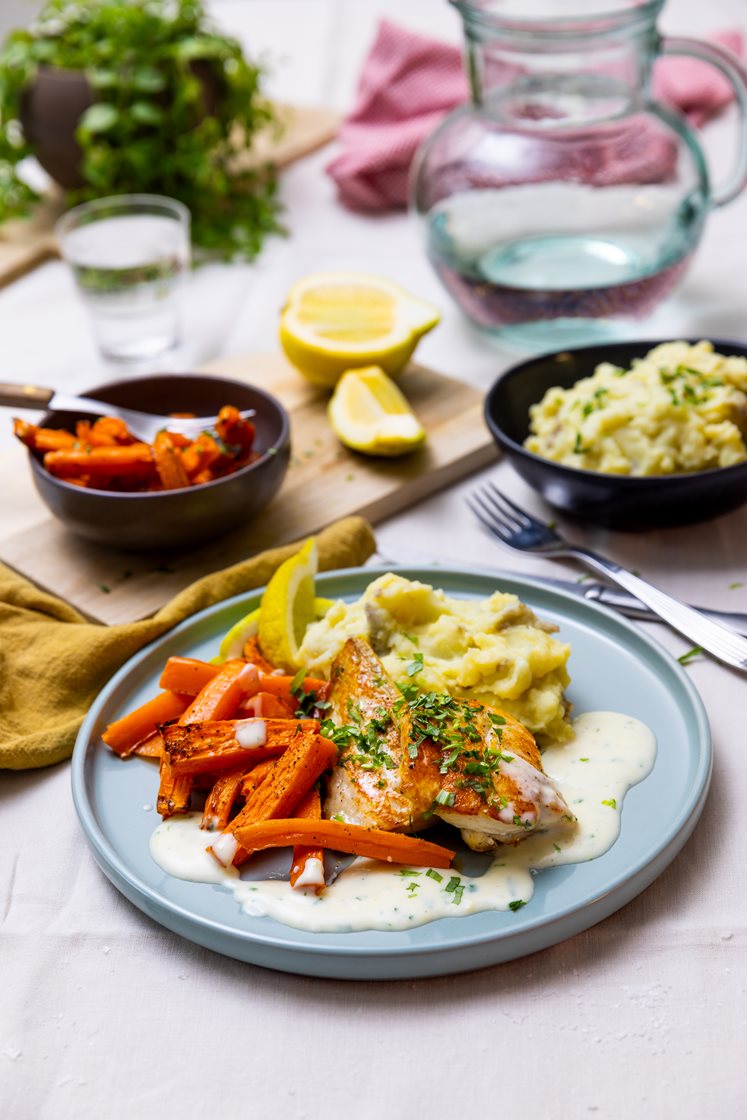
x: 369, y: 413
x: 336, y: 321
x: 287, y: 608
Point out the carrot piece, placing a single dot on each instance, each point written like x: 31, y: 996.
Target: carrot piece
x: 294, y: 773
x: 200, y: 456
x: 169, y: 464
x: 109, y: 431
x: 174, y: 791
x: 281, y: 686
x: 152, y: 747
x: 253, y: 780
x: 131, y: 465
x: 308, y: 859
x: 291, y: 776
x: 42, y: 439
x: 220, y: 800
x: 235, y: 431
x: 221, y: 696
x: 253, y: 653
x: 127, y: 732
x: 212, y: 746
x: 267, y: 706
x: 187, y: 675
x: 393, y: 847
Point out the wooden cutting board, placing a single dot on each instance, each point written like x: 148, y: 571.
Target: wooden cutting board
x: 27, y: 243
x: 325, y: 481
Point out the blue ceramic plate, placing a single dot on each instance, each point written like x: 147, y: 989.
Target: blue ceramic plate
x: 613, y: 666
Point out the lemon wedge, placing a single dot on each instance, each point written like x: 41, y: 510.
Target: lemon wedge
x: 369, y: 413
x: 248, y: 627
x: 287, y: 608
x: 336, y: 321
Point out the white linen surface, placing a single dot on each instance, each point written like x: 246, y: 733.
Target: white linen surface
x: 105, y: 1014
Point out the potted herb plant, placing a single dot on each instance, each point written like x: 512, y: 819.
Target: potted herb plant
x: 116, y: 96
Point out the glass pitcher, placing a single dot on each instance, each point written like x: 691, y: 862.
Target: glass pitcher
x: 564, y: 199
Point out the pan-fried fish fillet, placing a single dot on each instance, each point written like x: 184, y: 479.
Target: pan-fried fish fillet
x: 376, y: 782
x: 496, y: 788
x: 407, y: 759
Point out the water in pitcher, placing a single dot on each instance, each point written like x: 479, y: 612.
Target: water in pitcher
x: 605, y: 255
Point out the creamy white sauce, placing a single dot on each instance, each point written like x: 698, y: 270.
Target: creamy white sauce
x: 251, y: 733
x: 312, y: 874
x: 609, y: 754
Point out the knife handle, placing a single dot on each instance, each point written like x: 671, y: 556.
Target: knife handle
x: 17, y: 395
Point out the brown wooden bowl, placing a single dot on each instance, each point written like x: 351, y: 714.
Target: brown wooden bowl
x: 177, y: 518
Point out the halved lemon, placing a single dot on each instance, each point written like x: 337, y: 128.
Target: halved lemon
x: 287, y: 608
x: 370, y: 414
x: 335, y: 321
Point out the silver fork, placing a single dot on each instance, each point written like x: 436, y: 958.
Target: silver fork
x: 519, y: 530
x: 144, y: 425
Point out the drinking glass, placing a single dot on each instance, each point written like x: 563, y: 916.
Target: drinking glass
x: 129, y: 254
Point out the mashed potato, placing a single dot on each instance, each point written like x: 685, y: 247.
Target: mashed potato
x: 681, y: 408
x: 493, y: 650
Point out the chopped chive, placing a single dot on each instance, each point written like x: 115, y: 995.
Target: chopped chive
x: 408, y: 873
x: 737, y: 583
x: 611, y: 802
x: 686, y: 658
x: 516, y: 904
x: 445, y: 797
x: 433, y: 874
x: 452, y: 884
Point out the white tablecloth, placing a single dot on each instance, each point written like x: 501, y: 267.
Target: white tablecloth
x: 105, y: 1014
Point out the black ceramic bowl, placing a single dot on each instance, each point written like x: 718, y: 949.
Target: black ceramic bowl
x: 175, y: 518
x: 613, y: 501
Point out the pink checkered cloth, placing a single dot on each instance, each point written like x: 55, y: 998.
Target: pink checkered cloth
x: 410, y: 82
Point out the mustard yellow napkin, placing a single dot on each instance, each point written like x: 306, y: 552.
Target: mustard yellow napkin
x: 53, y: 662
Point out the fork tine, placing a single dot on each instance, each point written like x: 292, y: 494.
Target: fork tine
x: 493, y: 499
x: 486, y: 518
x: 524, y: 519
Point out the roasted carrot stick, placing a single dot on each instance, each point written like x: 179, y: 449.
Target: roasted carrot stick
x: 221, y: 696
x: 132, y: 462
x: 253, y: 780
x: 174, y: 792
x: 307, y: 865
x: 220, y: 800
x: 171, y: 470
x: 125, y: 733
x: 152, y: 747
x: 281, y: 686
x: 393, y: 847
x: 200, y: 456
x: 107, y: 431
x: 214, y: 746
x: 292, y: 775
x: 42, y: 439
x: 267, y: 706
x: 187, y: 675
x: 253, y: 653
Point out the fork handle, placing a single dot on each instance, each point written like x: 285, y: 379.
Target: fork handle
x: 13, y: 395
x: 717, y: 640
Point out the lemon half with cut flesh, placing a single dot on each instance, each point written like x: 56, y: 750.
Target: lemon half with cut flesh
x: 336, y: 321
x: 247, y: 627
x: 369, y: 414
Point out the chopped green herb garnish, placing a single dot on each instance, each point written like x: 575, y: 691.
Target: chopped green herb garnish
x: 407, y: 872
x: 737, y: 583
x: 415, y: 666
x: 611, y: 802
x: 516, y: 904
x: 452, y: 884
x: 445, y: 797
x: 433, y: 874
x: 583, y: 760
x: 337, y: 817
x: 557, y: 847
x: 105, y: 588
x: 686, y: 658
